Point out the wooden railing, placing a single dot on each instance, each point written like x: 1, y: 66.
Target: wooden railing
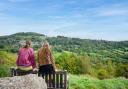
x: 58, y: 80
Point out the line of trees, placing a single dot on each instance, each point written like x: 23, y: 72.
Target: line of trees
x: 96, y: 67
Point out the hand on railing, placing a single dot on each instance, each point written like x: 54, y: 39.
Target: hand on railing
x: 35, y: 70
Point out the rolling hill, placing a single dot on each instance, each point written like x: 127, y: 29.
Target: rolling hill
x: 99, y: 58
x: 116, y: 50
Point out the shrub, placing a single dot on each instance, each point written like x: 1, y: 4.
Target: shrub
x: 4, y: 71
x: 102, y: 74
x: 122, y: 70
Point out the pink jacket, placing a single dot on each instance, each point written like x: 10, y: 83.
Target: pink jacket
x: 26, y: 57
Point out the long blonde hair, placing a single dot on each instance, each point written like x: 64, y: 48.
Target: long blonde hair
x: 45, y: 49
x: 45, y: 55
x: 45, y: 52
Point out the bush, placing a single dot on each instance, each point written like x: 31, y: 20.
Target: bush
x: 14, y: 50
x: 122, y: 70
x: 4, y: 71
x: 69, y: 61
x: 85, y: 65
x: 6, y: 61
x: 102, y: 74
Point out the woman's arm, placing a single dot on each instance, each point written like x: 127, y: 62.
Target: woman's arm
x: 32, y: 58
x: 17, y: 61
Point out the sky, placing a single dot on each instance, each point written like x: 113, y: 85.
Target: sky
x: 86, y: 19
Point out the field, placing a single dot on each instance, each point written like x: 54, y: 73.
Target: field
x: 87, y: 82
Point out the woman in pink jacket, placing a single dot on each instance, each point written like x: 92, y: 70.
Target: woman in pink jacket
x: 26, y: 59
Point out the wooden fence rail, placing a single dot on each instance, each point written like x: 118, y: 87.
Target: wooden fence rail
x: 58, y: 80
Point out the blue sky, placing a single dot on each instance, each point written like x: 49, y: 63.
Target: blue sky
x: 88, y: 19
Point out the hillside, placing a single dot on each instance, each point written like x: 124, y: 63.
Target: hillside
x: 98, y: 58
x: 14, y: 41
x: 118, y: 51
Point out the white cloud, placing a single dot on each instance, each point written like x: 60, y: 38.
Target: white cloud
x: 113, y: 12
x: 67, y: 18
x: 120, y: 9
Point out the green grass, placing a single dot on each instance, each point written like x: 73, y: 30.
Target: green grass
x: 87, y: 82
x: 75, y: 81
x: 7, y: 60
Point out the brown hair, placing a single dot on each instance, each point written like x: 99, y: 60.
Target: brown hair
x: 28, y: 44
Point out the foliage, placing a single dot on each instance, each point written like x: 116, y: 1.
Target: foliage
x: 68, y: 61
x: 98, y: 58
x: 102, y: 69
x: 7, y: 60
x: 122, y: 70
x: 4, y: 71
x: 102, y: 74
x: 115, y: 50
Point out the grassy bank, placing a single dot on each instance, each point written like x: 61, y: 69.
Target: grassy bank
x: 87, y: 82
x: 7, y: 60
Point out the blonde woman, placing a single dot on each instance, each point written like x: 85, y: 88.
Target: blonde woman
x: 45, y: 60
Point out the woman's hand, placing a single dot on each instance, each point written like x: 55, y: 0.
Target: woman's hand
x: 35, y: 70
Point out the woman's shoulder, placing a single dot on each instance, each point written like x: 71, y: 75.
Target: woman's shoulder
x: 26, y: 49
x: 31, y: 49
x: 20, y: 49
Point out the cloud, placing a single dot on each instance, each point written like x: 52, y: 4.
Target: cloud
x: 113, y: 12
x: 120, y: 9
x: 95, y: 19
